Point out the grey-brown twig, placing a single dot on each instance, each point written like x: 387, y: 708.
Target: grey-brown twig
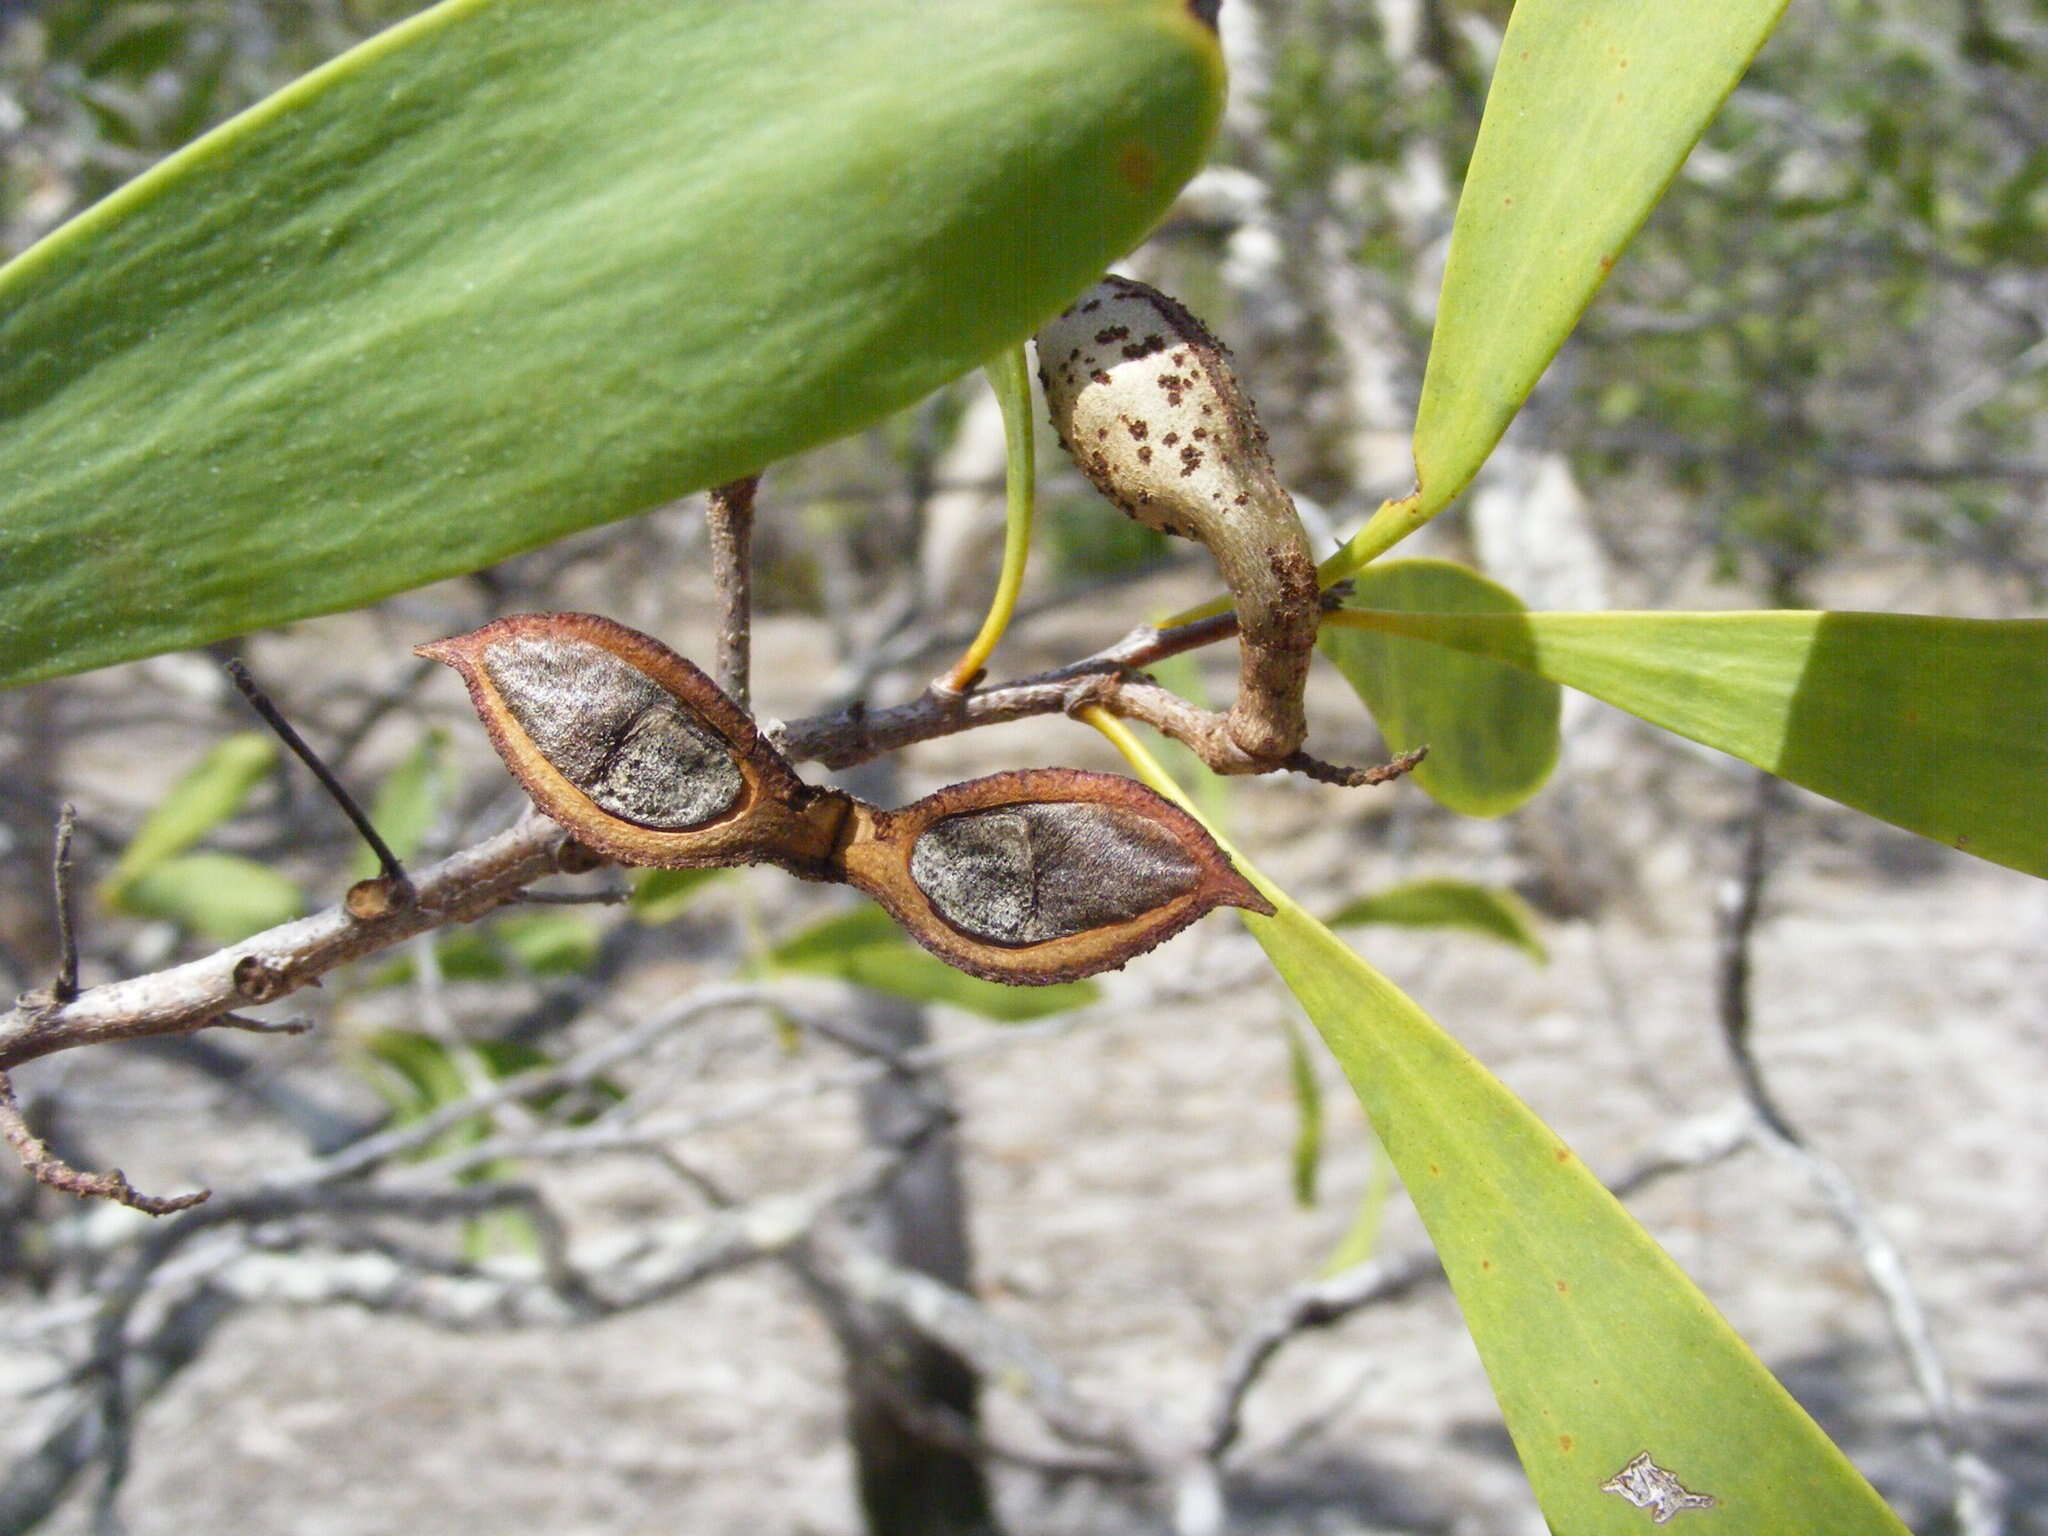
x: 51, y: 1171
x: 468, y: 884
x: 65, y: 987
x: 729, y: 513
x: 281, y: 960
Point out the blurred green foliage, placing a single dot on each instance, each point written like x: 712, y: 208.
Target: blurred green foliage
x: 1829, y: 332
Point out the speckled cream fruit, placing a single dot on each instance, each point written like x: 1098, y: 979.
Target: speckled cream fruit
x: 1145, y: 401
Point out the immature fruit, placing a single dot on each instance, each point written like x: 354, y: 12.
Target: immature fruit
x: 1144, y: 399
x: 1035, y: 876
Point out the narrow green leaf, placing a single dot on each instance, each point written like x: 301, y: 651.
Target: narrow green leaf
x: 409, y: 801
x: 516, y: 267
x: 537, y: 943
x: 1361, y: 1240
x: 1491, y: 730
x: 204, y: 798
x: 418, y: 1074
x: 1598, y: 1347
x: 862, y: 946
x: 214, y: 894
x: 1594, y: 106
x: 1489, y: 910
x: 662, y: 895
x: 1936, y: 725
x: 1308, y: 1102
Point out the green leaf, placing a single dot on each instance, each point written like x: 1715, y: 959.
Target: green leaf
x: 1489, y: 910
x: 1361, y: 1240
x: 861, y: 945
x: 1598, y: 1346
x: 514, y: 268
x: 409, y: 801
x: 1594, y: 106
x: 418, y: 1074
x: 215, y: 894
x: 661, y: 895
x: 1491, y: 730
x: 536, y: 943
x: 200, y: 801
x: 1308, y: 1101
x: 1936, y: 725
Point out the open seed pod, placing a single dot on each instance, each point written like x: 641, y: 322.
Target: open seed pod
x: 635, y: 751
x: 1042, y: 875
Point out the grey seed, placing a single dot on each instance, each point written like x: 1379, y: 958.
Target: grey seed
x: 614, y: 732
x: 1024, y: 874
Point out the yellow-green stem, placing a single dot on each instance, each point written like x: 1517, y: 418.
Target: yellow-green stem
x: 1010, y: 376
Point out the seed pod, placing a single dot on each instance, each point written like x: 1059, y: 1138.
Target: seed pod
x: 1043, y: 875
x: 1144, y: 399
x: 1030, y: 877
x: 634, y: 750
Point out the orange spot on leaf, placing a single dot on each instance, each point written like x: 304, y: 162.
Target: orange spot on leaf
x: 1137, y: 165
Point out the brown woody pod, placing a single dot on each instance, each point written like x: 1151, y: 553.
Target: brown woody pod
x: 1029, y: 877
x: 1042, y: 875
x: 635, y: 751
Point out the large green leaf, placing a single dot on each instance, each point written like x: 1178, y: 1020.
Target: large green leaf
x: 861, y: 945
x: 1936, y: 725
x: 1491, y: 730
x: 516, y: 267
x: 1598, y: 1346
x: 1594, y: 106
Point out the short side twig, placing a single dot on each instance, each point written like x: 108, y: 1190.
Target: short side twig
x: 50, y: 1170
x: 729, y: 513
x: 1355, y: 778
x: 398, y: 890
x: 65, y: 987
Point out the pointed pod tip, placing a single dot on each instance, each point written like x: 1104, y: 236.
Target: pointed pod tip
x: 1234, y: 890
x: 450, y: 651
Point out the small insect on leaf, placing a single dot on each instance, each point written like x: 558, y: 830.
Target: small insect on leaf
x: 633, y: 749
x: 1044, y: 875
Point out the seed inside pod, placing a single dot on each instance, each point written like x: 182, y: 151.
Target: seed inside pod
x: 1023, y: 874
x: 613, y: 732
